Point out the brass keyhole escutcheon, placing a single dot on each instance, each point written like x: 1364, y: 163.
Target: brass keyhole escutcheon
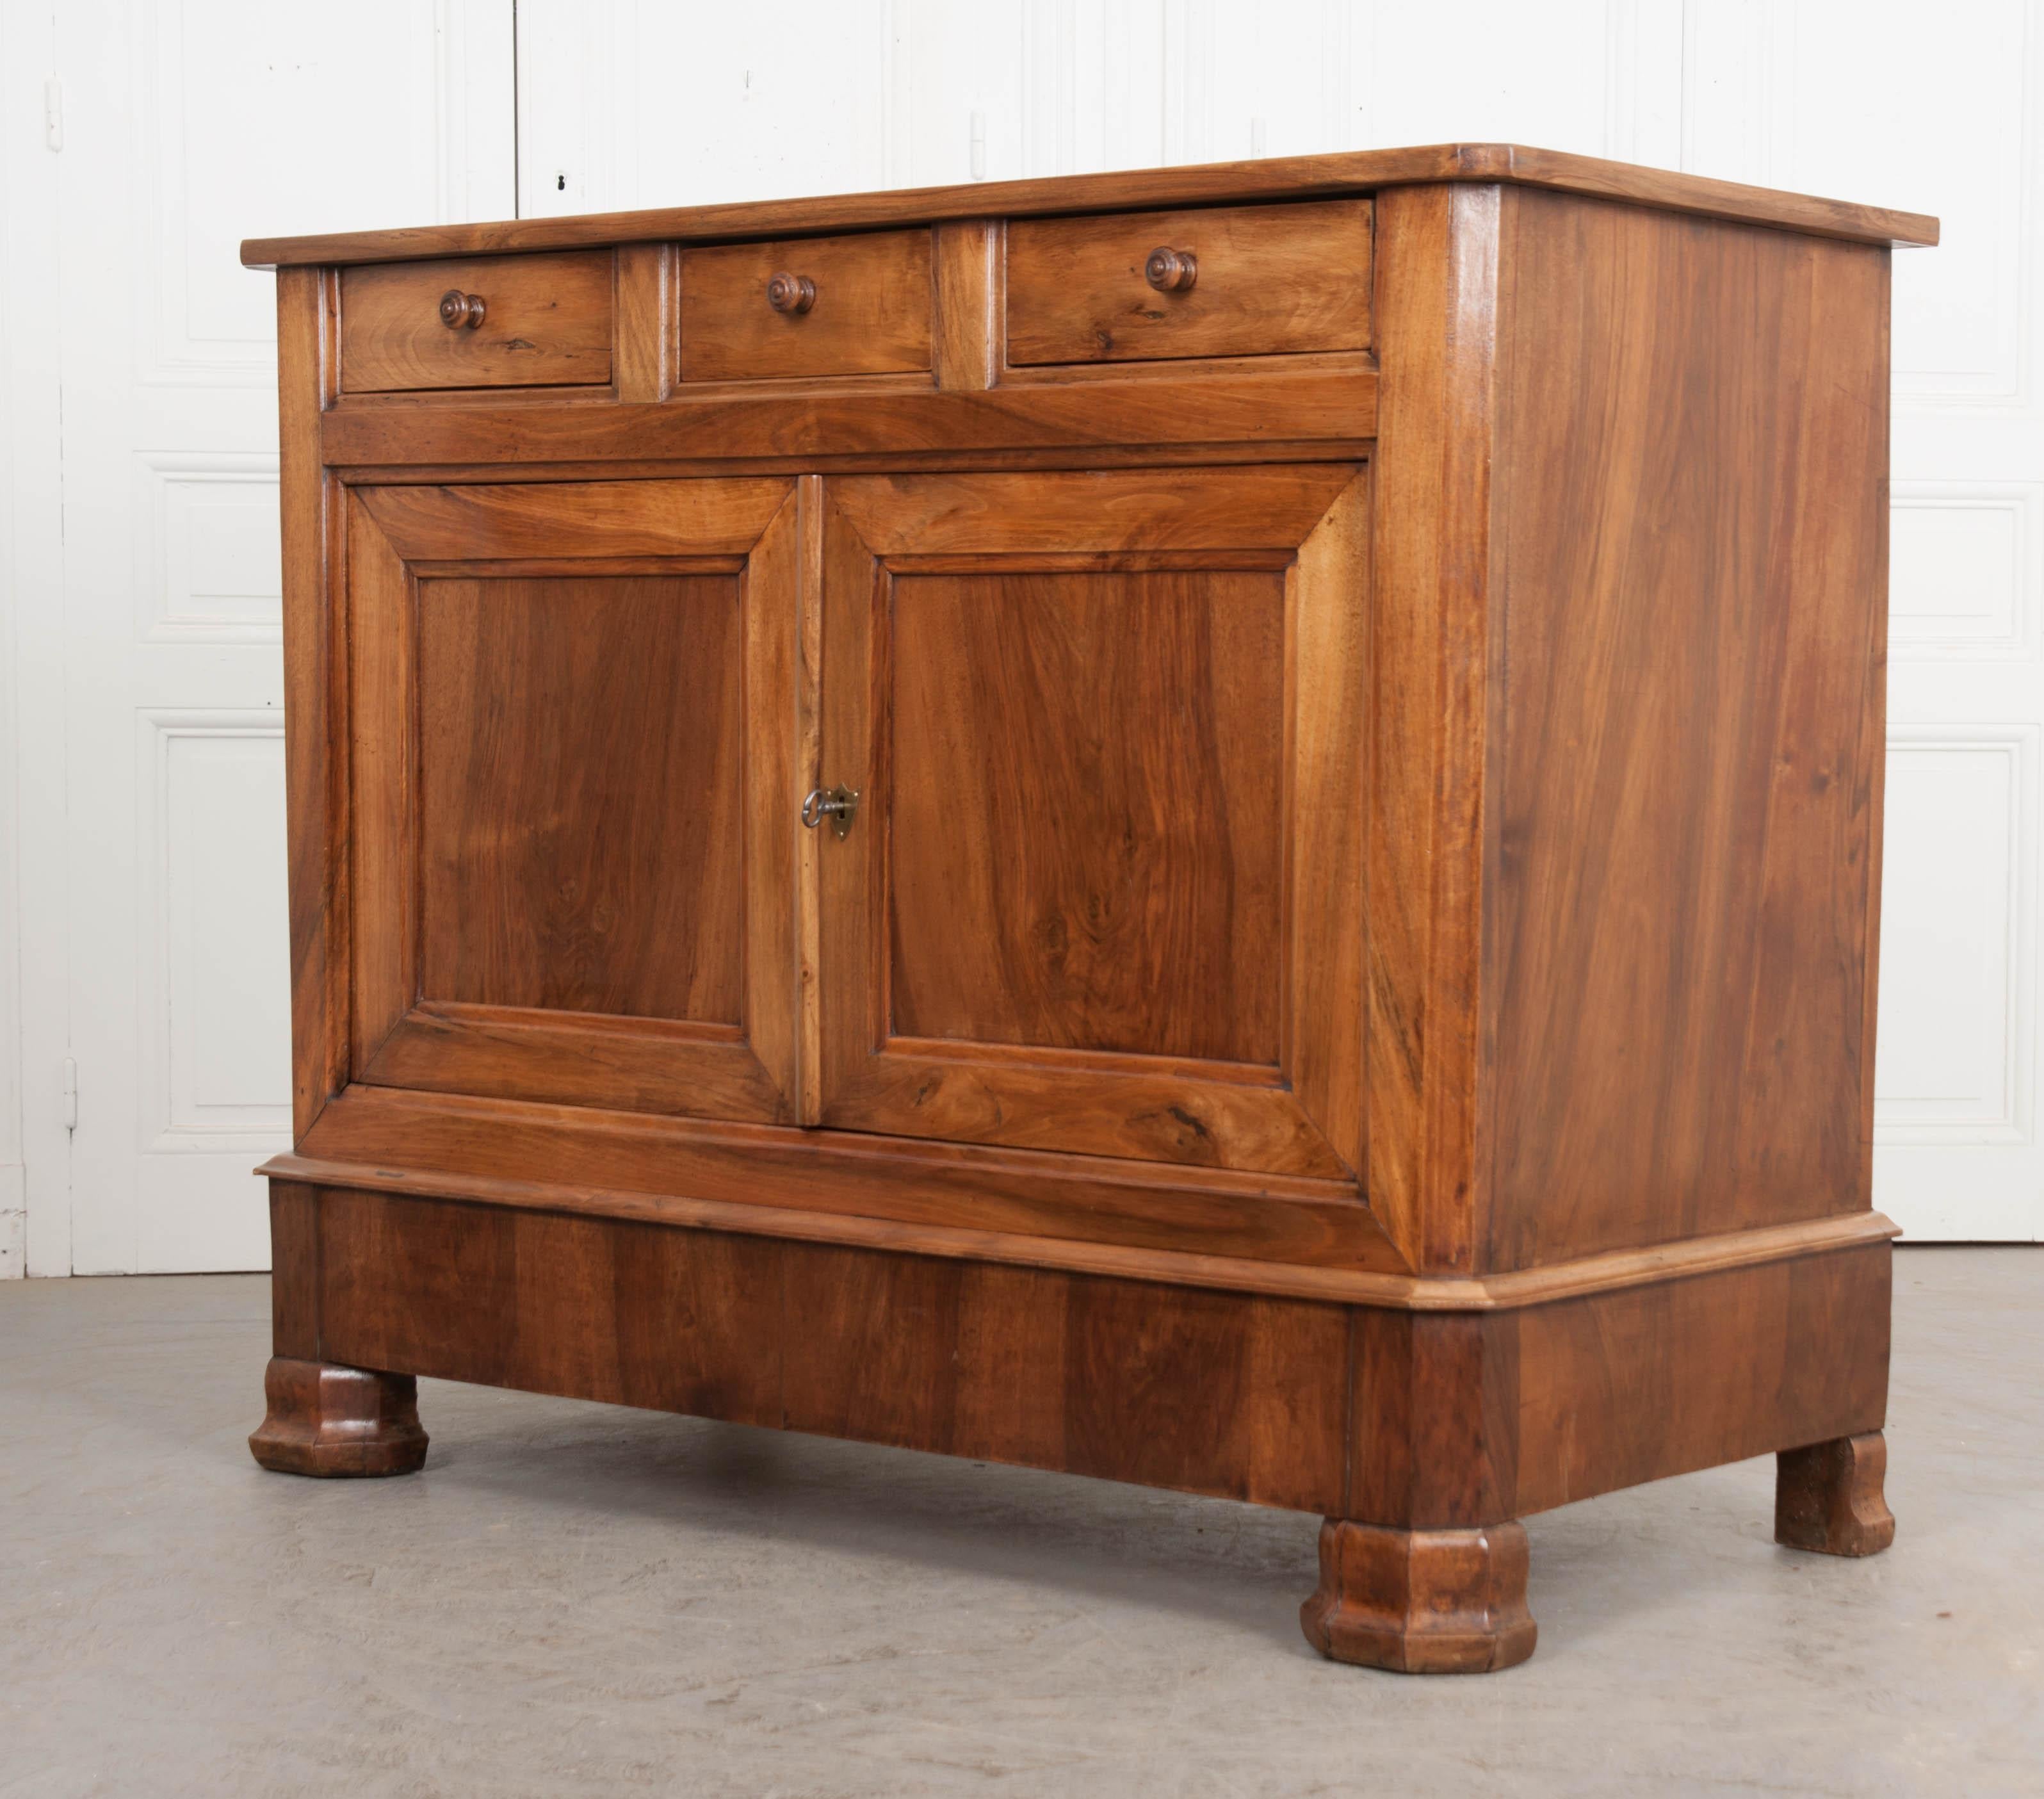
x: 837, y: 804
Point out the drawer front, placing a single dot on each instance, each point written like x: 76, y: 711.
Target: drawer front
x: 848, y: 306
x: 542, y: 321
x: 1260, y: 281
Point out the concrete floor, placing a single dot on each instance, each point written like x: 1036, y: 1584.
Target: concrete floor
x: 574, y: 1599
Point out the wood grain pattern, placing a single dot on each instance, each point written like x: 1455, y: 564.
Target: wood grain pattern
x: 579, y: 1059
x: 316, y: 764
x: 338, y: 1422
x: 888, y: 1349
x: 643, y: 356
x: 1351, y: 982
x: 586, y: 1307
x: 1430, y: 688
x: 1690, y: 745
x: 1634, y: 1386
x: 1056, y: 932
x: 547, y: 323
x: 294, y: 1271
x: 604, y: 911
x: 637, y: 1165
x: 583, y: 833
x: 1273, y: 410
x: 811, y: 525
x: 778, y: 582
x: 1270, y: 280
x: 1056, y: 883
x: 1421, y: 1602
x: 381, y: 859
x: 560, y: 522
x: 871, y: 314
x: 849, y: 1018
x: 968, y: 277
x: 1147, y: 509
x: 1073, y: 1232
x: 1276, y: 177
x: 1436, y: 1441
x: 1168, y: 1384
x: 1326, y: 712
x: 1828, y: 1497
x: 1466, y: 1418
x: 1206, y: 1115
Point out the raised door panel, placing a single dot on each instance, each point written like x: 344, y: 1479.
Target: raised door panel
x: 572, y: 755
x: 1101, y: 890
x: 1121, y: 889
x: 531, y: 710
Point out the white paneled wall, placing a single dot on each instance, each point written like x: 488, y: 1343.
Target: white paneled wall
x: 140, y: 870
x: 155, y: 1029
x: 637, y: 102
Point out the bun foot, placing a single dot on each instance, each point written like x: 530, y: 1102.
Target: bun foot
x: 1827, y: 1497
x: 1421, y: 1602
x: 338, y: 1422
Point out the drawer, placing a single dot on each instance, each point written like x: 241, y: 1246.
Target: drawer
x: 850, y: 305
x: 528, y: 322
x: 1250, y: 281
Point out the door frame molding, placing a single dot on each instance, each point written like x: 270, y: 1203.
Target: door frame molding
x: 400, y: 1036
x: 1303, y: 1116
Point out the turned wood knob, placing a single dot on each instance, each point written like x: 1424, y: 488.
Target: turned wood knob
x: 789, y: 292
x: 1171, y: 271
x: 458, y: 308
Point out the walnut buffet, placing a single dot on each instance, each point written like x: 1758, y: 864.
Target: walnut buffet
x: 1216, y: 826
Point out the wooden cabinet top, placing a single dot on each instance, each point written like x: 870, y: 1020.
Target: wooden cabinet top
x: 1359, y: 171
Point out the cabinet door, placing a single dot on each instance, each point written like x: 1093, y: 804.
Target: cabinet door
x: 1102, y: 890
x: 572, y: 751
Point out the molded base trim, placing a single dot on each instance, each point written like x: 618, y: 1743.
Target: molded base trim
x: 1361, y: 1285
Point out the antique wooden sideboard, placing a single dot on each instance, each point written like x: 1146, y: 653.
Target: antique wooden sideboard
x: 1215, y: 826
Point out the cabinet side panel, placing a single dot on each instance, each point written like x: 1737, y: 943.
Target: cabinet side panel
x: 1615, y: 1388
x: 1691, y: 504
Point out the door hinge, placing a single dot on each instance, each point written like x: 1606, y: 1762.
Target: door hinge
x: 70, y: 1092
x: 53, y: 113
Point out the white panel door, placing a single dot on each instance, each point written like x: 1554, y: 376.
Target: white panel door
x: 189, y: 124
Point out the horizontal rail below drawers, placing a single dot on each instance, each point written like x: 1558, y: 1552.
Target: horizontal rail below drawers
x: 1255, y: 415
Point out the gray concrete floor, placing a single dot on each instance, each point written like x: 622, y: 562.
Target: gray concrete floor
x: 574, y: 1599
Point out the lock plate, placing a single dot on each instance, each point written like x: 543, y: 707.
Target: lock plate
x: 839, y: 804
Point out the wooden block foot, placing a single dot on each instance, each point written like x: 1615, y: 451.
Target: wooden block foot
x: 1828, y: 1497
x: 1421, y: 1602
x: 338, y: 1422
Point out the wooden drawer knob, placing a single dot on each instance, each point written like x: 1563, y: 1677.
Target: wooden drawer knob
x: 458, y: 308
x: 791, y: 293
x: 1171, y: 271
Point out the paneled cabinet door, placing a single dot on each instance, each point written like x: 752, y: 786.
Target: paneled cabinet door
x: 1102, y: 888
x: 571, y: 871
